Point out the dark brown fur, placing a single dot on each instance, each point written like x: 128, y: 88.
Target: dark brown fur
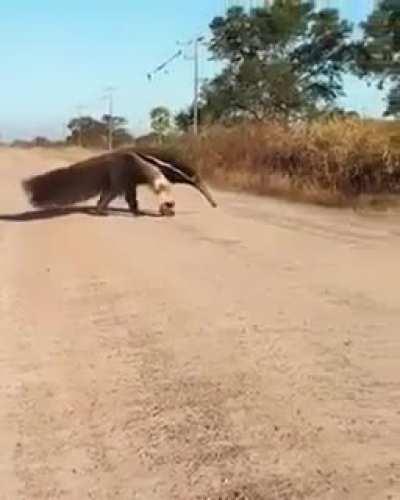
x: 65, y: 186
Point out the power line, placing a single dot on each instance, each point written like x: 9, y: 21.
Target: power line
x: 195, y: 42
x: 164, y: 64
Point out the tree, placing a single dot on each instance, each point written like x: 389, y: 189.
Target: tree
x: 185, y: 119
x: 89, y: 132
x: 40, y: 141
x: 160, y: 121
x: 117, y: 122
x: 119, y: 133
x: 382, y: 55
x: 283, y: 61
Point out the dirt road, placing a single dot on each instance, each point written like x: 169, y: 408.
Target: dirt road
x: 250, y: 351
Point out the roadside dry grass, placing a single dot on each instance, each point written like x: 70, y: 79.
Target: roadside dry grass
x: 334, y: 162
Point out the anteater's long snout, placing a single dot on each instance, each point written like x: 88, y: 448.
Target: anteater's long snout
x: 206, y: 193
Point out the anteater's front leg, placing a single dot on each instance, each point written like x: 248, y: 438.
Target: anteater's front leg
x: 106, y: 198
x: 157, y: 182
x: 131, y: 199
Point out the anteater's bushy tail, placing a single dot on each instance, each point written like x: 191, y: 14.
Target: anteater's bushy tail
x: 66, y: 186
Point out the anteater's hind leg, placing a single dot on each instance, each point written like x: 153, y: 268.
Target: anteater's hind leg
x: 106, y: 198
x: 131, y: 199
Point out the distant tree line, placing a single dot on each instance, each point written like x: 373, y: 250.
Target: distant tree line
x: 37, y: 142
x: 86, y: 131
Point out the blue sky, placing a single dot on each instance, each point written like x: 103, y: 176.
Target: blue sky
x: 57, y: 54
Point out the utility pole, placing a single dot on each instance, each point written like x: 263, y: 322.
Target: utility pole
x: 109, y: 96
x: 197, y: 40
x: 64, y: 132
x: 79, y: 111
x: 196, y: 43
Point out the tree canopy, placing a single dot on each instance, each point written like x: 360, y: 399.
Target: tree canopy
x: 284, y: 61
x: 160, y: 121
x: 382, y: 58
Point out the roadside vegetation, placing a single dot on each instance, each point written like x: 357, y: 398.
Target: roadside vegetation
x: 334, y: 162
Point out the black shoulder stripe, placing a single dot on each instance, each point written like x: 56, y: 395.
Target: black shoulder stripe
x: 160, y: 164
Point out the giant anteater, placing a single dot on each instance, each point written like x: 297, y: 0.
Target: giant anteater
x: 113, y: 174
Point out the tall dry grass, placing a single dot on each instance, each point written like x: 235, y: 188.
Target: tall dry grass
x: 331, y: 162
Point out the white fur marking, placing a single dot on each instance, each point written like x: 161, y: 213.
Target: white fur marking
x: 161, y: 184
x: 170, y: 166
x: 157, y: 182
x: 163, y: 190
